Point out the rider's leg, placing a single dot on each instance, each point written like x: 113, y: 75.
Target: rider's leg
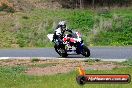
x: 60, y: 41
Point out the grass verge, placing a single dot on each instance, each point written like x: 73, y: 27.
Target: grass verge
x: 14, y: 77
x: 30, y: 28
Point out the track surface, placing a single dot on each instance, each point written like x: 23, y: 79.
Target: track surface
x: 96, y: 52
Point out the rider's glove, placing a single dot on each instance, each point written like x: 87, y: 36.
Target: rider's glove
x: 69, y: 30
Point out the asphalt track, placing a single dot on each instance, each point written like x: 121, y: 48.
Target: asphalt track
x: 96, y: 52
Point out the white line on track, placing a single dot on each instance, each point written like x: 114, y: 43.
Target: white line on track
x: 55, y: 58
x: 4, y: 58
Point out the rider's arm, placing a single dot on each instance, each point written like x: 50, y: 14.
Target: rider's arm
x: 69, y: 30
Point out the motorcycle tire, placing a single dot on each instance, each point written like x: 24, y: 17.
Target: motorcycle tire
x: 85, y: 51
x: 57, y: 49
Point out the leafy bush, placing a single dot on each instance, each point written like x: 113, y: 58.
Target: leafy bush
x: 35, y: 60
x: 4, y: 6
x: 7, y: 8
x: 10, y: 10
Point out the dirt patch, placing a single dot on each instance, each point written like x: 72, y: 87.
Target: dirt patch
x: 103, y: 66
x: 24, y: 5
x: 27, y: 62
x: 51, y: 67
x: 70, y: 66
x: 48, y: 5
x: 49, y: 70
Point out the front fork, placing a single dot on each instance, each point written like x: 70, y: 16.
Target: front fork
x: 79, y: 48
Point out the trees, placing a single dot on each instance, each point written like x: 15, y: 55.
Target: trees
x: 94, y: 3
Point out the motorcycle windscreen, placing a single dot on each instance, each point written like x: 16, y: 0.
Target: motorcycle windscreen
x: 50, y: 36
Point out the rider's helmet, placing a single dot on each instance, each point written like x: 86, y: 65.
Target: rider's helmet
x: 62, y: 25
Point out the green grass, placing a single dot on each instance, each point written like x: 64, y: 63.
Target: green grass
x: 117, y: 30
x: 127, y: 63
x: 43, y: 65
x: 13, y: 77
x: 30, y: 28
x: 44, y: 21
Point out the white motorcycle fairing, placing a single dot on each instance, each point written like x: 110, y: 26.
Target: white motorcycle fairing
x: 50, y: 36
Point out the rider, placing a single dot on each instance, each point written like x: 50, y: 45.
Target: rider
x: 59, y: 32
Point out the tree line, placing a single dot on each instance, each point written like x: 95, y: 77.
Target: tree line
x: 94, y: 3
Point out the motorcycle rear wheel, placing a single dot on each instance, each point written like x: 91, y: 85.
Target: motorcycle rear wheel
x: 85, y: 51
x: 61, y: 51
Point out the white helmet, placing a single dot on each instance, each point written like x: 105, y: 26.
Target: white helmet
x: 62, y: 25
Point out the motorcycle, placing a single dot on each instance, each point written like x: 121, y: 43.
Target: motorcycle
x: 72, y: 45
